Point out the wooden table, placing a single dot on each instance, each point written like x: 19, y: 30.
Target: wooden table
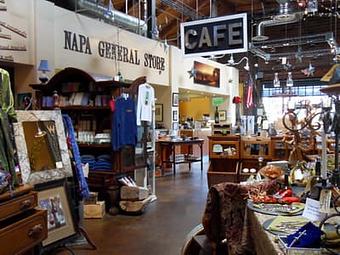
x: 171, y: 145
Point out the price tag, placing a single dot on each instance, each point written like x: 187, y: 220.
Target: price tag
x: 59, y: 164
x: 312, y: 210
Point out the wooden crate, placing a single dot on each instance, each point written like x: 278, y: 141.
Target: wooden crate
x: 94, y: 211
x: 218, y: 174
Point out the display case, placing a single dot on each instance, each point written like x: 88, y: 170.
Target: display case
x: 255, y: 147
x: 279, y: 149
x: 224, y: 147
x: 224, y: 156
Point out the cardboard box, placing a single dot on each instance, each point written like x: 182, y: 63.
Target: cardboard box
x: 92, y: 199
x: 94, y: 211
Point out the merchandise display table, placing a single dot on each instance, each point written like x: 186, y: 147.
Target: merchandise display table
x: 188, y: 158
x: 266, y: 242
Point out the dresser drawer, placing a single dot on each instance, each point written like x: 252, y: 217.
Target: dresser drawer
x: 18, y: 205
x: 24, y: 234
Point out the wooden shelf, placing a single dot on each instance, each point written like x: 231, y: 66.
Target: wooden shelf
x: 94, y: 145
x: 101, y: 84
x: 79, y: 108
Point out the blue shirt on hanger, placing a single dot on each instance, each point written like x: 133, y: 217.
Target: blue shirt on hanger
x: 124, y: 127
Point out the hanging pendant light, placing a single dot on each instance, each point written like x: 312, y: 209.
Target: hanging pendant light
x: 39, y: 133
x: 276, y: 81
x: 290, y: 81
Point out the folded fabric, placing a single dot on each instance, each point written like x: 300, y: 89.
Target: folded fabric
x: 88, y: 157
x: 105, y: 157
x: 308, y: 236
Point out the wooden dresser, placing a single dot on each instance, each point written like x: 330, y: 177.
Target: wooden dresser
x: 22, y: 227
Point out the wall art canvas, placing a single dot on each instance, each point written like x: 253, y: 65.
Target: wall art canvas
x: 206, y: 74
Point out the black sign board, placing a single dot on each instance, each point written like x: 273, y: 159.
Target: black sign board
x: 221, y: 35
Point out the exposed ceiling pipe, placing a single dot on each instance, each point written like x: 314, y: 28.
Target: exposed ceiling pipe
x: 112, y: 16
x: 284, y: 17
x: 272, y: 22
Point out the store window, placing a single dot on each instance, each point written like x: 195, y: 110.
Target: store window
x: 275, y: 100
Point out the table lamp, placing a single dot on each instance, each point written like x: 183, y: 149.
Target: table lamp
x: 43, y: 68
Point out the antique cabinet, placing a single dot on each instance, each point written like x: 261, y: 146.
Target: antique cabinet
x: 224, y: 156
x: 22, y: 227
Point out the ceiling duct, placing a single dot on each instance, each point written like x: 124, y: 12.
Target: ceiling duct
x: 287, y: 15
x: 95, y: 9
x: 324, y: 42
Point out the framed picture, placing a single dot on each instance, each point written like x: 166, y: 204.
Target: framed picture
x: 24, y: 101
x: 175, y: 126
x: 159, y: 112
x: 207, y: 75
x: 41, y: 146
x: 59, y: 218
x: 175, y: 115
x: 175, y: 99
x: 222, y: 115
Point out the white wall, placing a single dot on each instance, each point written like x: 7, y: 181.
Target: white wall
x: 19, y: 15
x: 97, y: 31
x: 163, y: 95
x: 180, y: 78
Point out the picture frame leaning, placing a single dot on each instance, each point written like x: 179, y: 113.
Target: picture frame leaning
x: 53, y: 198
x: 51, y: 151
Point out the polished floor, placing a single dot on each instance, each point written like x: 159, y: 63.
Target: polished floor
x: 162, y: 229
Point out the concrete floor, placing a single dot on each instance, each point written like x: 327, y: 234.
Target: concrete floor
x: 162, y: 229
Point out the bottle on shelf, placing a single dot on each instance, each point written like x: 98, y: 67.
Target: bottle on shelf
x: 316, y: 181
x: 217, y: 117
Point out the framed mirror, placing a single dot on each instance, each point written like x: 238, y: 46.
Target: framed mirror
x: 41, y: 146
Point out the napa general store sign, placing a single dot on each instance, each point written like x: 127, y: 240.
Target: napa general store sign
x: 110, y: 50
x: 100, y: 48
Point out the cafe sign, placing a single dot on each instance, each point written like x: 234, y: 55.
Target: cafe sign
x: 221, y: 35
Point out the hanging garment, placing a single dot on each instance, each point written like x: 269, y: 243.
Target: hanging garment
x: 249, y: 99
x: 69, y: 130
x: 124, y: 128
x: 6, y: 95
x: 7, y: 155
x: 145, y: 103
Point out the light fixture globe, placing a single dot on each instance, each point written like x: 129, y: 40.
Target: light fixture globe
x: 276, y: 81
x: 290, y: 82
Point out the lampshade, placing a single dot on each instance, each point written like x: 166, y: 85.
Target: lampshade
x: 43, y: 66
x: 290, y: 81
x: 276, y: 81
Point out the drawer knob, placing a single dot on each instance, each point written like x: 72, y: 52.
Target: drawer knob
x: 35, y: 231
x: 26, y: 204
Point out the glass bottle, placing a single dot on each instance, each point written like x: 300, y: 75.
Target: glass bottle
x: 217, y: 117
